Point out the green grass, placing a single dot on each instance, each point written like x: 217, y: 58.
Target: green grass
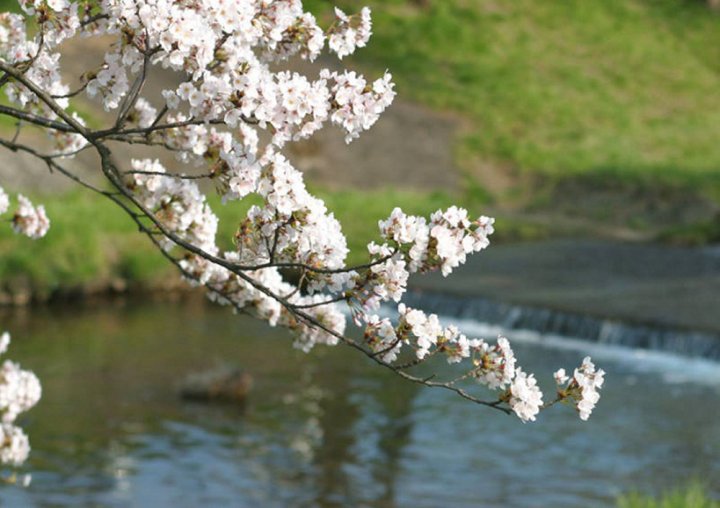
x: 562, y: 88
x: 91, y: 241
x: 9, y: 5
x: 694, y: 496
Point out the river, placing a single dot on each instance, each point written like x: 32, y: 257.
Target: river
x: 329, y: 429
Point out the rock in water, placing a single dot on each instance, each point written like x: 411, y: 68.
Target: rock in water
x: 225, y: 383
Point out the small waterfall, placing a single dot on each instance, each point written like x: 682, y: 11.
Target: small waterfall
x: 547, y: 321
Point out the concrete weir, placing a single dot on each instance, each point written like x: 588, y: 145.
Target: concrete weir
x: 642, y: 296
x: 548, y: 321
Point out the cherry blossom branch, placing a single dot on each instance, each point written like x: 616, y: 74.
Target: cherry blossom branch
x: 231, y: 93
x: 134, y: 94
x: 46, y: 98
x: 72, y: 94
x: 111, y: 173
x: 35, y: 119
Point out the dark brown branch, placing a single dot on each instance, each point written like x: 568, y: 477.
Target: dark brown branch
x: 40, y: 121
x: 134, y: 93
x: 93, y: 19
x: 146, y: 131
x: 72, y: 94
x: 44, y: 97
x: 160, y: 116
x: 337, y: 299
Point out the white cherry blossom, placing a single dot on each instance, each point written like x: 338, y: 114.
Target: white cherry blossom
x: 14, y: 445
x: 4, y: 201
x: 350, y: 32
x: 525, y: 396
x: 30, y: 220
x: 19, y: 391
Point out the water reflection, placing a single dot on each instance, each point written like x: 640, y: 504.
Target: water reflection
x: 326, y: 430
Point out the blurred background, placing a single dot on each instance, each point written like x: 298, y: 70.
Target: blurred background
x: 572, y: 119
x: 590, y: 130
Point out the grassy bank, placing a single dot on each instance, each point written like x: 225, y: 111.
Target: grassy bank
x: 91, y: 242
x: 563, y: 87
x: 608, y: 108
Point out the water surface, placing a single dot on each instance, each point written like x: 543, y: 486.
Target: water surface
x: 329, y: 429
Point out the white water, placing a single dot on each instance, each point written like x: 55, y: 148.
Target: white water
x: 672, y: 367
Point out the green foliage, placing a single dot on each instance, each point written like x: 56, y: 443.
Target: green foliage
x: 9, y: 5
x: 693, y: 496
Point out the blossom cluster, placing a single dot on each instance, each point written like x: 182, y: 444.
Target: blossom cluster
x: 412, y: 245
x: 226, y: 48
x: 492, y: 365
x: 525, y: 396
x: 19, y: 391
x: 28, y: 220
x: 443, y: 243
x: 357, y: 103
x: 582, y: 388
x: 182, y: 210
x: 56, y: 21
x: 176, y: 203
x: 350, y: 32
x: 252, y: 292
x: 232, y: 110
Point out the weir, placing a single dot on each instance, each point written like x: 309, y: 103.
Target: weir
x: 698, y: 344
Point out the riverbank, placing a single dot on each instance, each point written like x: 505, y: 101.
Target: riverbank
x: 639, y: 295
